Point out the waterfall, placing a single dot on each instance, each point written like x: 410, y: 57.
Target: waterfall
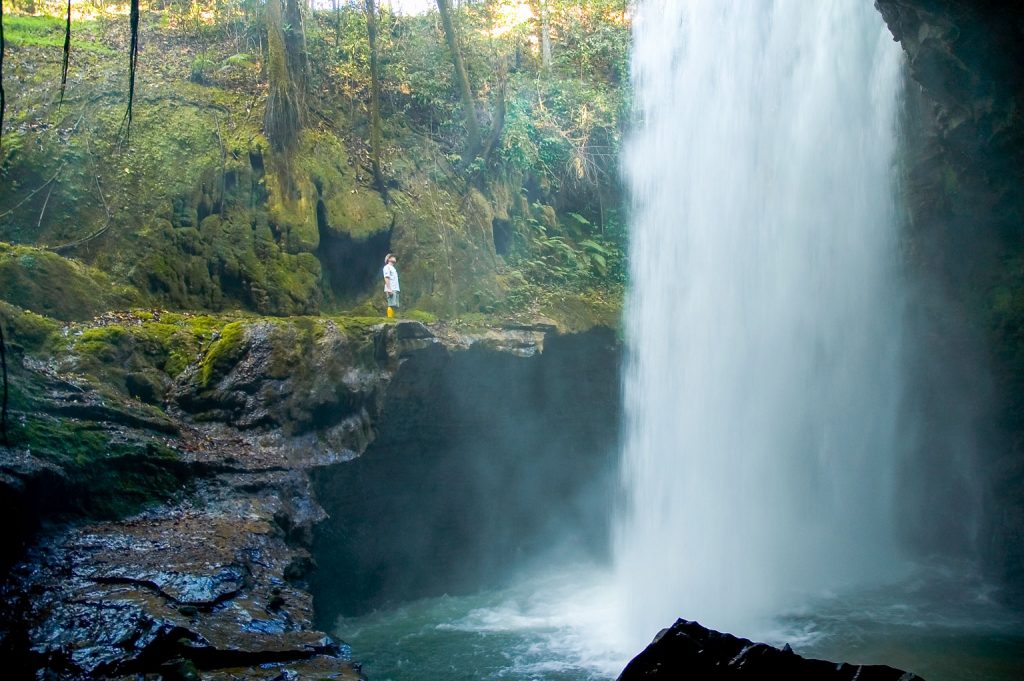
x: 765, y: 313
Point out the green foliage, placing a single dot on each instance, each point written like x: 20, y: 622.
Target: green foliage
x: 195, y: 204
x: 201, y: 67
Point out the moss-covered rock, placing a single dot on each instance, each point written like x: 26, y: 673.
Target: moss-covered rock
x: 223, y: 354
x: 104, y: 474
x: 25, y: 330
x: 297, y: 374
x: 445, y: 247
x: 58, y: 287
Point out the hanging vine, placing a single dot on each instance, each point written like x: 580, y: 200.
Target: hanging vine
x: 133, y: 61
x: 67, y: 57
x: 3, y: 98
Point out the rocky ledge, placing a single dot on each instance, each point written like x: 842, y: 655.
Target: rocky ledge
x: 174, y: 491
x: 687, y: 650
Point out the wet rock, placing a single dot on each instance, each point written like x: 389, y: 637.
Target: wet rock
x: 289, y: 376
x: 689, y: 651
x: 211, y: 579
x: 174, y: 590
x: 964, y: 152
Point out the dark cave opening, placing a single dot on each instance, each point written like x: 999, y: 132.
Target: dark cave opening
x: 502, y: 234
x: 484, y: 462
x: 351, y: 267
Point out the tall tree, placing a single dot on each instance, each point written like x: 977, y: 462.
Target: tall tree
x: 3, y: 48
x: 287, y: 67
x: 545, y: 34
x: 375, y: 134
x: 465, y: 91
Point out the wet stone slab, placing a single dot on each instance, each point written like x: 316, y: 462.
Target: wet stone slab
x: 200, y: 587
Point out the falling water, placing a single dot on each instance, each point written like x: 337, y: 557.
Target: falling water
x: 764, y: 320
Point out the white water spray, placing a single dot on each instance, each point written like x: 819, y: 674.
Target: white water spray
x: 765, y: 315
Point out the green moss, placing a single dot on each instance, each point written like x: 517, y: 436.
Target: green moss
x: 26, y: 330
x: 106, y: 475
x: 105, y: 345
x: 574, y: 312
x: 354, y: 326
x: 223, y: 354
x: 47, y: 31
x: 46, y: 283
x: 170, y: 347
x: 139, y: 355
x: 419, y: 316
x: 59, y: 441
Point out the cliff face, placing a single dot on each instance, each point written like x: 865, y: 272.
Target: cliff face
x: 170, y: 459
x: 485, y: 461
x: 965, y: 193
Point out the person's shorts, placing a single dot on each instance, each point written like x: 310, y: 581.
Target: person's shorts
x: 393, y: 298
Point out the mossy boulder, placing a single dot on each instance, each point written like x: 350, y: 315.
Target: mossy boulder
x: 319, y: 189
x: 137, y: 354
x: 102, y: 473
x: 58, y: 287
x: 25, y: 330
x: 231, y: 262
x: 299, y: 374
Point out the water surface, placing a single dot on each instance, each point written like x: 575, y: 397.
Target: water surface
x: 561, y: 627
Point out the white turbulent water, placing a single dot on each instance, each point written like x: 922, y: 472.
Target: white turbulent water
x: 764, y: 317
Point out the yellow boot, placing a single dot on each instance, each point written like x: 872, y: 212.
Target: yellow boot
x: 391, y: 312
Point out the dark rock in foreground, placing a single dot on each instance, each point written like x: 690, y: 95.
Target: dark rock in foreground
x: 689, y: 651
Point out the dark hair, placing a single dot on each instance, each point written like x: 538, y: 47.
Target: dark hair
x: 387, y: 258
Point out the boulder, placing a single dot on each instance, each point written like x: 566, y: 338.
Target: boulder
x: 687, y: 650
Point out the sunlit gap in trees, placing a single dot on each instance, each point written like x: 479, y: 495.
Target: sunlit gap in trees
x: 393, y: 6
x: 81, y: 10
x: 509, y: 14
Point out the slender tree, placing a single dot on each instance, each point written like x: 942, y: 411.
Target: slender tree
x: 3, y: 96
x: 133, y: 62
x: 375, y: 133
x: 545, y: 35
x: 473, y: 139
x: 285, y: 112
x: 67, y: 56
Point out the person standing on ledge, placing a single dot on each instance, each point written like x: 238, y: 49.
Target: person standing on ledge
x: 391, y: 283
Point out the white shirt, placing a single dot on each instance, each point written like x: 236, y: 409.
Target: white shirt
x: 391, y: 277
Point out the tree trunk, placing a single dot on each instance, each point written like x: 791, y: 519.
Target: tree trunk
x: 285, y: 113
x: 375, y: 135
x: 3, y: 96
x: 545, y: 35
x: 472, y: 127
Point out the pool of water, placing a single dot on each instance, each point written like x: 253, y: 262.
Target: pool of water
x: 562, y: 627
x: 939, y: 624
x: 555, y: 627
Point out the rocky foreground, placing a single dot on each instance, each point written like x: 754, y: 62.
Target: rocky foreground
x: 165, y: 489
x: 209, y: 578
